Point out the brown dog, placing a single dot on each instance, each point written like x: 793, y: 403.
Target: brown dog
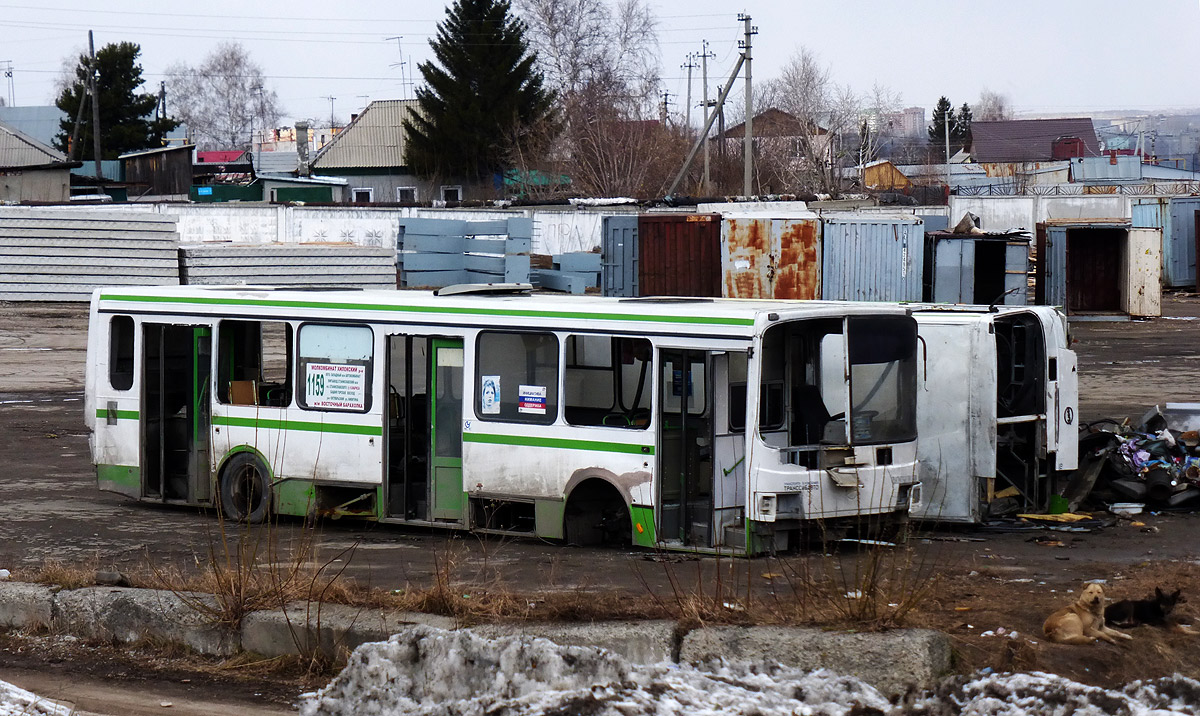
x: 1083, y: 621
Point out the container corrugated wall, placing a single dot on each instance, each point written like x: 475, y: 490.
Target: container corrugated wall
x: 1155, y: 213
x: 872, y: 259
x: 48, y: 255
x: 764, y: 257
x: 1180, y: 266
x: 679, y: 255
x: 619, y: 261
x: 342, y: 266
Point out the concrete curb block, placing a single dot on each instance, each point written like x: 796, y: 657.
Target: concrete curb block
x: 25, y: 606
x: 639, y: 642
x: 334, y: 627
x: 889, y: 661
x: 128, y: 615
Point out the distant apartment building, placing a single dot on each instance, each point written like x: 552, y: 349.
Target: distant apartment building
x: 908, y: 122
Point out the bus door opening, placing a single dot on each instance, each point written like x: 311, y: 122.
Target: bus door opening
x: 175, y: 451
x: 408, y: 436
x: 686, y: 457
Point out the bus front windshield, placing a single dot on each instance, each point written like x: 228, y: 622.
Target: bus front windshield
x: 847, y: 381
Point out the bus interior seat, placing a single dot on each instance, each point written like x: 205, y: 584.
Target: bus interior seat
x: 243, y: 392
x: 810, y: 413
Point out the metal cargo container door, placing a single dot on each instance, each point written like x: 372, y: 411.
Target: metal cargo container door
x: 1052, y: 267
x: 747, y: 252
x: 1016, y: 273
x: 798, y: 267
x: 1181, y: 264
x: 874, y: 260
x: 1155, y: 214
x: 618, y: 260
x: 953, y: 279
x: 679, y: 255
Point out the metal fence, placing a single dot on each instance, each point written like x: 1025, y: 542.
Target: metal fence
x: 1180, y: 188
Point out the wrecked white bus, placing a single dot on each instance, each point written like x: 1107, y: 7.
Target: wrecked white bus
x: 698, y: 424
x: 997, y: 410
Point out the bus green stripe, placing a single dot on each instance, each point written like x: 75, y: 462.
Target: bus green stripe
x: 271, y: 424
x: 560, y: 443
x: 119, y: 414
x: 451, y: 310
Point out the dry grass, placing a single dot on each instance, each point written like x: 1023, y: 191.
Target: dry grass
x: 60, y: 573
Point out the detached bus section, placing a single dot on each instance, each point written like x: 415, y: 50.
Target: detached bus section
x: 999, y: 432
x: 692, y: 424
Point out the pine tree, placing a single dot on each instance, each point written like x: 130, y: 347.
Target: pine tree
x: 125, y: 115
x: 482, y: 89
x: 941, y: 113
x: 960, y: 131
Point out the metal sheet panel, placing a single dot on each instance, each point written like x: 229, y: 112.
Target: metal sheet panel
x: 763, y: 257
x: 952, y: 262
x: 62, y: 255
x: 679, y: 255
x: 619, y: 263
x: 872, y: 259
x: 347, y: 266
x: 1180, y: 261
x: 1054, y: 275
x: 1143, y: 281
x: 1016, y: 273
x: 1155, y: 213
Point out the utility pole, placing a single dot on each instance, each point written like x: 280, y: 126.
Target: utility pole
x: 748, y: 149
x: 73, y: 149
x: 8, y: 73
x: 946, y: 124
x: 689, y: 66
x: 93, y: 74
x: 666, y: 101
x: 331, y: 99
x: 704, y: 55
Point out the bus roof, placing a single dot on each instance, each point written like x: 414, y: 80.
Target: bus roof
x: 725, y: 317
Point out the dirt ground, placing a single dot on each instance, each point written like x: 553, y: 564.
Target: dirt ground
x: 969, y: 583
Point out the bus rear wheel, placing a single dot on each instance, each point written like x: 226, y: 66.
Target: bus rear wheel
x: 596, y: 514
x: 245, y: 489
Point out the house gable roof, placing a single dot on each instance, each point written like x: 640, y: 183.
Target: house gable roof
x: 1029, y: 140
x: 375, y: 139
x: 18, y: 149
x: 772, y: 122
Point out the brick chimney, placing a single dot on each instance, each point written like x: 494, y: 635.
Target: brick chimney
x: 302, y: 149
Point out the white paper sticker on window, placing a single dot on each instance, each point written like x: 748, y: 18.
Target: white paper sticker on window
x: 531, y: 399
x: 336, y: 386
x: 489, y: 391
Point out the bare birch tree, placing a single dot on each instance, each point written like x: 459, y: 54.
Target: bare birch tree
x: 825, y: 112
x: 601, y: 59
x: 992, y: 106
x: 223, y: 99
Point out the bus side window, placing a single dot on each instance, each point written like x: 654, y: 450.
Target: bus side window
x: 607, y: 381
x: 254, y: 363
x: 336, y: 367
x: 517, y: 377
x: 120, y: 352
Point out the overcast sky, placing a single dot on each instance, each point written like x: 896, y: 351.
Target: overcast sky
x: 1069, y: 57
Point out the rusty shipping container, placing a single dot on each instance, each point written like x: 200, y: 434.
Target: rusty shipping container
x: 770, y: 257
x: 679, y: 255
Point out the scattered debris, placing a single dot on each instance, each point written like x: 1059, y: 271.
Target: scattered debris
x: 1151, y: 466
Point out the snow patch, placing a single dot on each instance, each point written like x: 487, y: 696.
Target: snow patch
x: 429, y: 672
x: 438, y: 673
x: 15, y: 701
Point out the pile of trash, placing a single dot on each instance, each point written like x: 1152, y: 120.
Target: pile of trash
x: 1156, y: 462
